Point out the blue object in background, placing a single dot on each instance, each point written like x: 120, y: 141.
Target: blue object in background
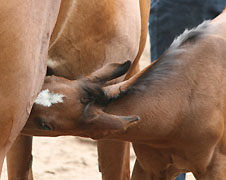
x: 169, y: 18
x: 181, y: 177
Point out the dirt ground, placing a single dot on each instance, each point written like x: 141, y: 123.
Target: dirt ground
x: 70, y: 158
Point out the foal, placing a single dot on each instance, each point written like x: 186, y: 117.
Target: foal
x: 178, y: 103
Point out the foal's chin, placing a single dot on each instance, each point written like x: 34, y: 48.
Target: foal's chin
x: 52, y: 133
x: 45, y: 133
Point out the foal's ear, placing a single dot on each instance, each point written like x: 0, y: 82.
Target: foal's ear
x: 109, y: 72
x: 99, y: 124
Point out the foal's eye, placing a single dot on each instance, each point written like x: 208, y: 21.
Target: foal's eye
x: 43, y: 125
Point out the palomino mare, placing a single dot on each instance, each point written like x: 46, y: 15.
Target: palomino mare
x: 88, y: 35
x: 25, y: 29
x: 179, y: 103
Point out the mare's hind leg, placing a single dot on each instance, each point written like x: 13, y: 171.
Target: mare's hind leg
x: 139, y: 173
x: 1, y: 162
x: 114, y: 159
x: 19, y: 159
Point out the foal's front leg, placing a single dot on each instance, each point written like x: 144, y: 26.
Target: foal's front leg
x: 140, y: 173
x: 216, y: 169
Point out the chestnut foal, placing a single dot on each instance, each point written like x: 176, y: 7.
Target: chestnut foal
x: 183, y: 90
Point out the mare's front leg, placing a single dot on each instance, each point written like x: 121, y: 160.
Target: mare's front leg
x: 114, y: 159
x: 19, y: 159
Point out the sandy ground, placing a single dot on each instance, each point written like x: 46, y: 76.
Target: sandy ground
x: 70, y: 158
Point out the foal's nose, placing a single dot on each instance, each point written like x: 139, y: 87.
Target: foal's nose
x: 49, y: 71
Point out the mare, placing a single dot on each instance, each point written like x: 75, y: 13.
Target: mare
x: 25, y: 29
x: 89, y: 34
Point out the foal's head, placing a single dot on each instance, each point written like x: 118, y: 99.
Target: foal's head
x: 66, y: 107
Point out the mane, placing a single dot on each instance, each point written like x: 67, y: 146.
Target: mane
x: 169, y: 65
x: 191, y: 35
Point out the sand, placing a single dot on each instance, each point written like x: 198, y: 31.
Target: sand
x: 66, y: 158
x: 70, y: 158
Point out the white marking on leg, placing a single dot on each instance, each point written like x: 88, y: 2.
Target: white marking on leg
x: 46, y: 98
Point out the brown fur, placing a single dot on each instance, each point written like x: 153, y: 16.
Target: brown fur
x: 181, y: 110
x: 25, y: 28
x: 89, y: 34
